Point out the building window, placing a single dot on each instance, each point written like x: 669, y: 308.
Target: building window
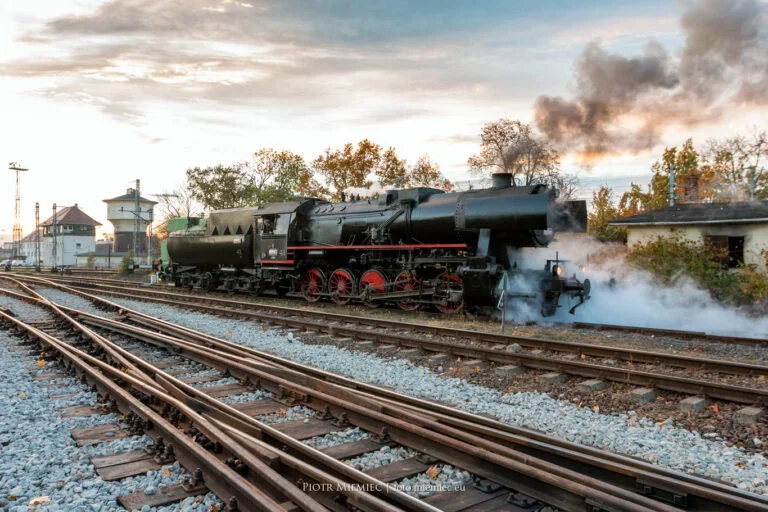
x: 78, y: 245
x: 730, y: 249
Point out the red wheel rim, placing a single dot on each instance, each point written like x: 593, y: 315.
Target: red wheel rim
x: 312, y: 284
x: 445, y: 283
x: 341, y: 285
x: 376, y: 282
x: 405, y: 282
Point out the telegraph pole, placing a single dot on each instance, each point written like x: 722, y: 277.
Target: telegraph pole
x: 54, y: 256
x: 137, y: 223
x: 672, y: 185
x: 37, y: 237
x: 17, y: 236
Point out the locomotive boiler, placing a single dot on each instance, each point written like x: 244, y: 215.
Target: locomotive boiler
x: 413, y: 247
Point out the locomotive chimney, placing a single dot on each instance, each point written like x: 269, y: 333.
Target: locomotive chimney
x: 501, y: 180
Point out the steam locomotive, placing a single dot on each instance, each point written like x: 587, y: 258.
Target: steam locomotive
x: 418, y: 247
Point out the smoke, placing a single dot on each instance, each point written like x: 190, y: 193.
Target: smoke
x: 635, y: 299
x: 624, y: 103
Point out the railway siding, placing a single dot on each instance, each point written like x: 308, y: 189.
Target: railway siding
x: 664, y: 445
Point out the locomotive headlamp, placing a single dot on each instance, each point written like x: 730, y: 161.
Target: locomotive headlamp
x: 557, y: 270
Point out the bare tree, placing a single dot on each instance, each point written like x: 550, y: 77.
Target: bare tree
x: 512, y: 147
x: 179, y: 202
x: 735, y: 161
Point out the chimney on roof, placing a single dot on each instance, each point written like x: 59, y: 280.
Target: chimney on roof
x: 130, y: 191
x: 691, y: 189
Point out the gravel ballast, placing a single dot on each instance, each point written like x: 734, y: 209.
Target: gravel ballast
x: 39, y: 458
x: 661, y: 444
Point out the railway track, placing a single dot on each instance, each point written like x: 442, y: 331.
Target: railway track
x: 515, y: 469
x: 714, y: 378
x: 653, y: 331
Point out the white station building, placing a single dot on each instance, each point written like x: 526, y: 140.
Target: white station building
x: 75, y: 234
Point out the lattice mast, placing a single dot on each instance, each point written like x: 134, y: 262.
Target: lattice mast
x: 17, y: 235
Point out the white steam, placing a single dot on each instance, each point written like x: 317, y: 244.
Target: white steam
x: 635, y: 299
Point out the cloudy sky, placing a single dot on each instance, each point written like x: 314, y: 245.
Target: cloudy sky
x: 95, y: 94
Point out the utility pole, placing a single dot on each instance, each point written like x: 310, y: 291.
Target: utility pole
x: 137, y: 222
x: 672, y: 185
x: 14, y: 166
x: 37, y: 237
x: 752, y: 182
x: 53, y: 250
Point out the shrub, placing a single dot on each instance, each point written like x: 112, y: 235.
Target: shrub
x: 672, y: 258
x: 126, y: 263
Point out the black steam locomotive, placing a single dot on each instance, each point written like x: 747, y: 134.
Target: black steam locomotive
x: 413, y: 248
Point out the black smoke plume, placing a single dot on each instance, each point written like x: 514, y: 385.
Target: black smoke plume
x: 624, y: 103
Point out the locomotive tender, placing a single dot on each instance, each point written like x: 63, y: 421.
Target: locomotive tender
x: 411, y: 247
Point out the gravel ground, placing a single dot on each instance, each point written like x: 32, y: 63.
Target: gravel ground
x: 293, y: 414
x: 226, y: 381
x: 336, y: 438
x: 250, y: 396
x: 442, y: 478
x: 661, y: 444
x: 381, y: 457
x: 22, y: 309
x: 39, y: 458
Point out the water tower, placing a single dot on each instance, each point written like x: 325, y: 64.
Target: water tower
x: 130, y: 214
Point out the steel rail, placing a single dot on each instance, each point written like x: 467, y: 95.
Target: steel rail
x: 673, y: 383
x: 740, y: 500
x: 576, y: 325
x: 433, y: 438
x: 438, y: 442
x: 171, y: 385
x: 222, y: 479
x: 592, y: 350
x: 521, y: 437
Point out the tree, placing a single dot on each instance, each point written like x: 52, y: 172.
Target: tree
x: 90, y: 260
x: 634, y: 201
x: 276, y: 176
x: 348, y: 167
x: 511, y: 147
x: 602, y: 212
x: 426, y: 173
x: 566, y: 184
x: 220, y: 187
x: 392, y: 171
x: 693, y: 182
x: 179, y: 202
x: 734, y: 161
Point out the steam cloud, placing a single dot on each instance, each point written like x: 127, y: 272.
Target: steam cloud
x: 636, y: 299
x: 723, y: 64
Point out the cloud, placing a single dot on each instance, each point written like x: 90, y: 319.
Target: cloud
x: 129, y: 54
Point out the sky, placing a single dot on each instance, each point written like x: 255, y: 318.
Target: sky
x: 95, y: 94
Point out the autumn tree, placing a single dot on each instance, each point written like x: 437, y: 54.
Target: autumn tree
x: 220, y: 186
x: 693, y: 182
x: 275, y: 176
x: 391, y: 171
x: 426, y: 173
x: 603, y: 211
x: 348, y: 167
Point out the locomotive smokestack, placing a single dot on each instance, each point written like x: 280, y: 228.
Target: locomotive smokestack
x: 501, y: 180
